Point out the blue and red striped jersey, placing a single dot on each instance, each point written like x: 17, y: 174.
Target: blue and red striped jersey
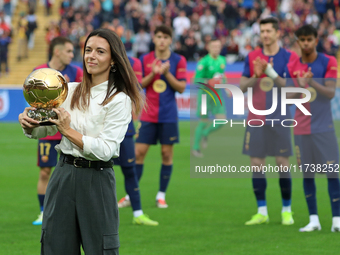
x: 75, y: 73
x: 323, y: 68
x: 160, y: 96
x: 262, y: 93
x: 137, y: 68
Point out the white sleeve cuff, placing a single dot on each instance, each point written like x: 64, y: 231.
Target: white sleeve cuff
x: 41, y: 132
x: 27, y: 135
x: 86, y: 144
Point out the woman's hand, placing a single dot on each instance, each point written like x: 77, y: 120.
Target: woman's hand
x: 26, y: 122
x: 63, y: 121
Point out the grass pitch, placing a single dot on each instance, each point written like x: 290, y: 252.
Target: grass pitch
x: 205, y: 215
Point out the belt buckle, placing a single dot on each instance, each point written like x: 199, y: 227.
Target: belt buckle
x: 75, y: 162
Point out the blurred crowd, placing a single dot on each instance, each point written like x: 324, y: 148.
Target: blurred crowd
x: 5, y: 34
x: 194, y: 23
x: 23, y: 30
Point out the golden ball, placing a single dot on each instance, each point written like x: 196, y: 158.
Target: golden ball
x: 45, y: 88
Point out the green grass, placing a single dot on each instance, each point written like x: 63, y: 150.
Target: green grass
x: 205, y: 215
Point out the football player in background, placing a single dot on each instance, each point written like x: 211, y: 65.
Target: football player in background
x: 164, y: 74
x: 210, y: 70
x: 271, y: 139
x: 315, y: 140
x: 127, y: 162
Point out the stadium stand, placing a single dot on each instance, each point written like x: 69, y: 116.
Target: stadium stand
x: 194, y: 22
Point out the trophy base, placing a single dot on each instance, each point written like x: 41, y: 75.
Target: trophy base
x: 46, y: 123
x: 43, y: 116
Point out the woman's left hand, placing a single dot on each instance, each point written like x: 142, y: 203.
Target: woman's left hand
x: 63, y: 121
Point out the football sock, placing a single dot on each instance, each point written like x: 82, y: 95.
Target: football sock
x: 310, y: 194
x: 165, y: 177
x: 211, y: 129
x: 336, y: 221
x: 198, y: 134
x: 131, y: 187
x: 160, y: 195
x: 286, y: 209
x: 286, y: 191
x: 259, y: 186
x: 334, y: 194
x: 41, y: 198
x: 139, y: 170
x: 262, y: 210
x: 137, y: 213
x: 314, y: 218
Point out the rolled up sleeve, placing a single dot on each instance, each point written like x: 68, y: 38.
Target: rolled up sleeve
x: 107, y: 144
x: 41, y: 132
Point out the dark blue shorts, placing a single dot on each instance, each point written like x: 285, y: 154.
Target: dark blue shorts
x: 267, y: 141
x: 47, y: 155
x: 151, y: 133
x: 127, y: 153
x: 317, y: 153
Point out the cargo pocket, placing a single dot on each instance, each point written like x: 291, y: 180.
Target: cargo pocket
x: 110, y: 244
x: 42, y: 239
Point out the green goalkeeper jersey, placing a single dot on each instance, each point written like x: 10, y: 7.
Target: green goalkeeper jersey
x: 209, y: 68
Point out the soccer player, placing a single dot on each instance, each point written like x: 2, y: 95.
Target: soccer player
x: 315, y: 140
x: 270, y: 139
x: 164, y: 74
x: 210, y: 69
x: 126, y: 160
x: 61, y: 49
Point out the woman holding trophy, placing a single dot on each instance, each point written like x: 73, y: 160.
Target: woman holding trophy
x: 81, y: 204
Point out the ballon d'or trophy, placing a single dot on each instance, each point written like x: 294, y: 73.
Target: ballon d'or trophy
x: 45, y: 89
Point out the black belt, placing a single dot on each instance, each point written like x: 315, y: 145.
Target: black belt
x: 84, y: 163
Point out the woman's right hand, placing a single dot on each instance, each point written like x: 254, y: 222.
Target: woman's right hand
x: 26, y: 122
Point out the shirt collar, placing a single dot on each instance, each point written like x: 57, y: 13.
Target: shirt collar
x: 99, y: 89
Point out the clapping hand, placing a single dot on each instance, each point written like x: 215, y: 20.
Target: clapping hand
x: 156, y: 66
x: 259, y: 66
x: 160, y: 68
x: 306, y: 78
x: 164, y: 69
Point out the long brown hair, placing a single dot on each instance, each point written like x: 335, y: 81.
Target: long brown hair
x: 124, y: 79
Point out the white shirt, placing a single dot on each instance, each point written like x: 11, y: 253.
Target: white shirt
x: 142, y: 42
x: 286, y: 6
x: 180, y: 24
x: 103, y: 127
x: 207, y: 24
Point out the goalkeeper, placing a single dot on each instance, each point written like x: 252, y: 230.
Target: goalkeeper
x: 210, y: 70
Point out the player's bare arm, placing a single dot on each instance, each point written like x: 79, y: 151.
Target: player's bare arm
x: 246, y: 82
x: 177, y: 85
x: 280, y: 82
x: 327, y: 90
